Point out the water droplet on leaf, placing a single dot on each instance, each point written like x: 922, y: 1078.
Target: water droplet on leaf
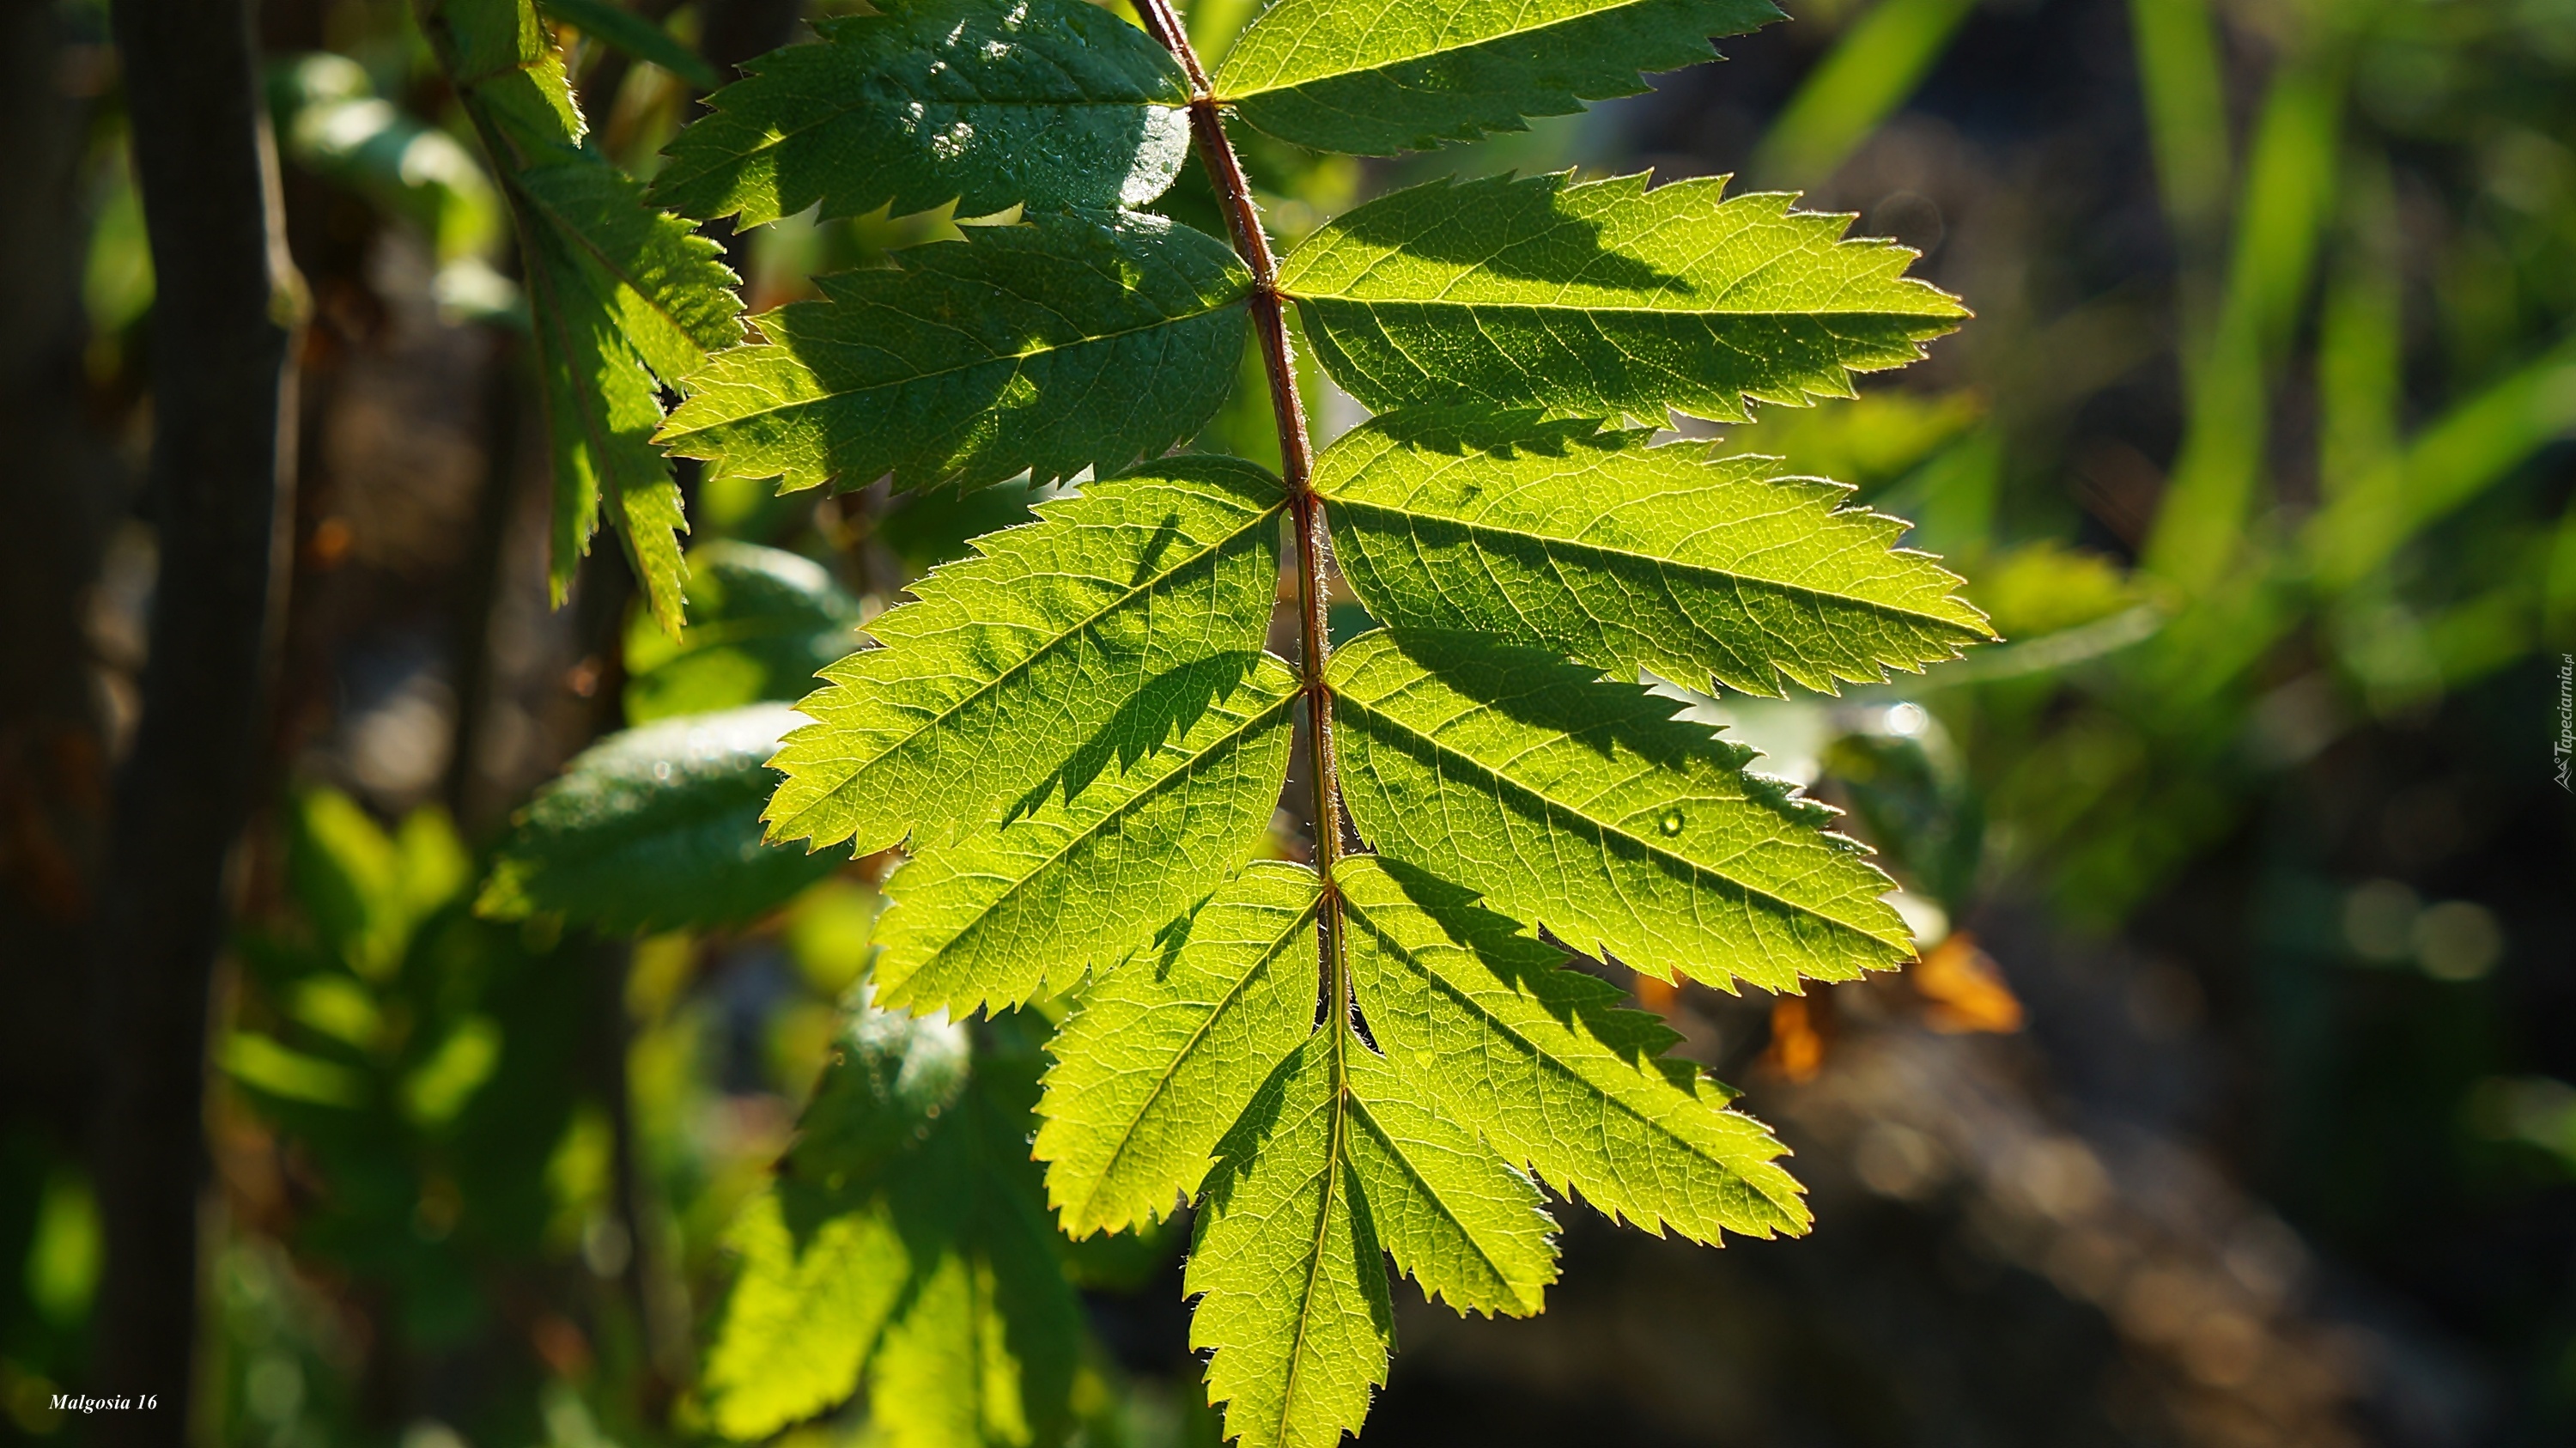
x: 1671, y: 822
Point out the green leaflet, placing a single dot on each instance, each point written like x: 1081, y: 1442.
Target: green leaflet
x: 1292, y: 1298
x: 904, y: 1242
x: 1067, y: 646
x: 620, y: 294
x: 1165, y: 1051
x: 1541, y: 1060
x: 1378, y: 79
x: 656, y: 827
x: 1591, y: 543
x: 667, y: 287
x: 1464, y: 1225
x: 1581, y: 805
x: 1047, y: 103
x: 1070, y: 341
x: 763, y: 622
x: 1084, y: 877
x: 1604, y: 299
x: 1338, y: 1157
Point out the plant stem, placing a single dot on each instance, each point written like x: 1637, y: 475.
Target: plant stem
x: 222, y: 475
x: 1296, y: 468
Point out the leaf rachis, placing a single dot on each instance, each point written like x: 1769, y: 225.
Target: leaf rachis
x: 1297, y: 470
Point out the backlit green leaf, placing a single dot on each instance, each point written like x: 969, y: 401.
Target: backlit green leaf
x: 1457, y: 1220
x: 1292, y: 1294
x: 1068, y: 646
x: 1165, y: 1051
x: 1070, y: 341
x: 1086, y: 873
x: 1541, y: 1059
x: 1604, y: 299
x: 1593, y: 544
x: 1377, y: 79
x: 623, y: 298
x: 1047, y: 103
x: 1579, y: 804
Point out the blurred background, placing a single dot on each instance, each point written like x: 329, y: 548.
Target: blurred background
x: 2230, y: 1104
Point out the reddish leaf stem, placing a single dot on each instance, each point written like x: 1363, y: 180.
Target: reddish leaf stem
x: 1296, y: 468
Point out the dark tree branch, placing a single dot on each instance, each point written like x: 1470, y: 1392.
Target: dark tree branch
x: 57, y: 496
x: 221, y: 351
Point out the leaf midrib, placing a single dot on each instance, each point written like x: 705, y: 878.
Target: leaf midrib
x: 1366, y: 709
x: 1427, y: 303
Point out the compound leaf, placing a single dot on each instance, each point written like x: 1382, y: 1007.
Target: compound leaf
x: 1067, y: 646
x: 1165, y: 1051
x: 1047, y: 103
x: 1579, y: 804
x: 1069, y: 341
x: 656, y: 827
x: 1593, y: 544
x: 763, y: 622
x: 1084, y: 876
x: 1378, y: 79
x: 1604, y: 299
x: 1540, y: 1059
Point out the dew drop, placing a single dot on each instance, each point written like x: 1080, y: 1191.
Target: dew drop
x: 1671, y: 822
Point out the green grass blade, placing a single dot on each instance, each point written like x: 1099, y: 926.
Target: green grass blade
x: 1870, y: 72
